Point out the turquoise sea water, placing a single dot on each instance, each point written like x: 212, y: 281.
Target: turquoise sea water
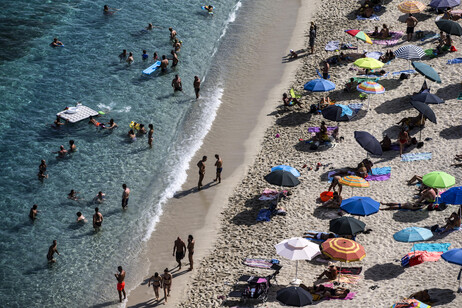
x: 37, y: 81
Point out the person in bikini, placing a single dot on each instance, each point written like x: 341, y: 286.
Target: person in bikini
x: 120, y: 276
x: 399, y: 206
x: 174, y: 58
x: 179, y: 250
x: 428, y: 195
x: 167, y: 279
x: 385, y: 32
x: 97, y: 219
x: 403, y: 139
x: 156, y: 284
x: 219, y: 165
x: 337, y: 293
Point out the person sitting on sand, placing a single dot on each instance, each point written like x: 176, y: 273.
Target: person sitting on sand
x: 399, y: 206
x: 366, y: 11
x: 385, y: 143
x: 452, y: 222
x: 361, y: 171
x: 422, y: 296
x: 351, y: 86
x: 428, y: 195
x: 333, y: 203
x: 319, y: 235
x: 290, y: 101
x: 293, y: 54
x: 314, y: 288
x: 338, y: 293
x: 385, y: 32
x: 414, y: 180
x: 335, y: 183
x: 331, y: 272
x: 376, y: 32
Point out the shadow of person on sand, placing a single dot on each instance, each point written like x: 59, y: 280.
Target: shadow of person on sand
x: 246, y: 217
x: 325, y: 213
x: 449, y: 92
x: 384, y: 271
x: 187, y: 192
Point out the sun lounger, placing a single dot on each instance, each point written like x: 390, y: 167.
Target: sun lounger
x: 260, y: 263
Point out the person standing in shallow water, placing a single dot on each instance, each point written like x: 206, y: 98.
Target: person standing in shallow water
x: 125, y: 196
x: 120, y: 276
x: 197, y: 86
x: 190, y: 247
x: 51, y: 251
x: 219, y: 165
x: 33, y: 212
x: 201, y: 166
x: 97, y: 219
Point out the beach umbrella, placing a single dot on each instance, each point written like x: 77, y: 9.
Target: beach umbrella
x: 287, y: 168
x: 450, y: 27
x: 452, y: 196
x: 282, y: 178
x: 368, y: 142
x: 361, y: 206
x: 297, y: 248
x: 294, y: 296
x: 427, y: 98
x: 343, y: 250
x: 413, y: 234
x: 438, y: 179
x: 319, y: 85
x: 337, y: 113
x: 354, y: 181
x: 425, y: 110
x: 409, y: 52
x: 368, y: 63
x: 442, y: 4
x: 411, y: 7
x: 427, y: 71
x: 454, y: 256
x: 360, y: 35
x: 346, y: 225
x: 370, y: 87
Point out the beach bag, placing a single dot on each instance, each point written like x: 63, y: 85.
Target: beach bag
x: 403, y: 76
x: 415, y: 260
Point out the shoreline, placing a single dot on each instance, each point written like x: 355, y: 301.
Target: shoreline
x: 186, y: 214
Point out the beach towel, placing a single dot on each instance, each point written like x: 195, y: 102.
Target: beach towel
x: 350, y: 295
x: 454, y: 61
x: 374, y: 54
x: 317, y: 129
x: 431, y: 247
x: 382, y: 177
x: 351, y: 270
x: 407, y: 302
x: 332, y: 45
x: 373, y: 17
x: 270, y: 194
x: 380, y: 171
x: 392, y: 40
x: 264, y: 215
x: 404, y: 72
x: 427, y: 256
x: 260, y: 263
x: 356, y: 107
x: 430, y: 36
x: 348, y: 46
x: 314, y: 239
x: 416, y: 156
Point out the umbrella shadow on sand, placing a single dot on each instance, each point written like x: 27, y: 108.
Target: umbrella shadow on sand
x: 410, y: 216
x: 294, y: 119
x: 383, y: 271
x: 449, y: 92
x: 454, y: 132
x: 395, y: 105
x: 441, y: 297
x: 325, y: 213
x: 304, y: 146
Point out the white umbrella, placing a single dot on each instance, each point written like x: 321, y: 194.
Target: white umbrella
x: 297, y: 248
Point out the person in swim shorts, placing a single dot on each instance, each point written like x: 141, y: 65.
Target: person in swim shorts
x: 197, y: 86
x: 219, y: 165
x: 97, y: 219
x: 201, y: 167
x: 411, y: 22
x: 190, y: 247
x: 56, y: 43
x: 125, y: 196
x: 163, y: 64
x: 96, y: 123
x: 51, y: 251
x: 179, y: 250
x: 123, y: 56
x: 172, y: 33
x: 176, y: 84
x: 120, y: 276
x: 145, y: 55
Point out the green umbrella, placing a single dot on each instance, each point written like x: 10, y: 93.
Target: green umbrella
x: 438, y: 179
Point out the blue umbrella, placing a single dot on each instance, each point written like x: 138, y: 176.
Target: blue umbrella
x: 286, y: 168
x: 454, y: 256
x: 427, y: 71
x: 319, y: 85
x: 413, y: 234
x: 361, y: 206
x: 442, y: 4
x: 452, y: 196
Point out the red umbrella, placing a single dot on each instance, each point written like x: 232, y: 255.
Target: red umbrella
x: 342, y: 249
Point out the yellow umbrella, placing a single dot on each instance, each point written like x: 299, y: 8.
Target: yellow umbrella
x: 353, y: 181
x: 369, y: 63
x: 411, y: 7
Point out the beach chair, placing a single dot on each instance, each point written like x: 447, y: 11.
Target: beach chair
x: 294, y: 94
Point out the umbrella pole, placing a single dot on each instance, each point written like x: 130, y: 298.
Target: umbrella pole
x: 296, y: 270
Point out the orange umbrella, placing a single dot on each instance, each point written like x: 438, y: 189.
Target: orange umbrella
x: 411, y: 7
x: 354, y: 181
x: 342, y: 249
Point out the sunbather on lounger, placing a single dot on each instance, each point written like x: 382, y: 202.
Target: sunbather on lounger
x: 399, y: 206
x: 319, y: 235
x: 338, y: 293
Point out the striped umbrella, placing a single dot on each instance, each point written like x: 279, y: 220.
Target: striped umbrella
x: 354, y: 181
x: 360, y: 35
x: 370, y: 87
x: 409, y: 52
x: 411, y: 7
x: 342, y: 249
x: 369, y: 63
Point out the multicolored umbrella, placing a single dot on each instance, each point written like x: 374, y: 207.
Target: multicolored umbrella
x: 342, y: 249
x: 354, y: 181
x: 411, y: 7
x: 438, y: 179
x: 370, y: 87
x: 360, y: 35
x: 369, y: 63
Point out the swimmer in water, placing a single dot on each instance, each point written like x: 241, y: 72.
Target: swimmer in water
x: 56, y: 43
x: 209, y: 8
x: 80, y: 217
x: 144, y: 56
x: 150, y: 135
x: 155, y: 57
x: 150, y: 26
x: 172, y: 33
x: 197, y: 86
x: 176, y: 84
x: 72, y: 195
x: 111, y: 124
x: 131, y: 135
x: 33, y: 212
x: 141, y: 131
x: 96, y: 123
x: 42, y: 170
x: 164, y: 64
x: 177, y: 45
x: 58, y: 122
x: 109, y: 10
x: 123, y: 55
x: 72, y: 146
x: 130, y: 59
x: 61, y: 153
x: 100, y: 197
x: 174, y: 58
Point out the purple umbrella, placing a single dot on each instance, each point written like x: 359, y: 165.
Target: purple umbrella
x: 442, y: 4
